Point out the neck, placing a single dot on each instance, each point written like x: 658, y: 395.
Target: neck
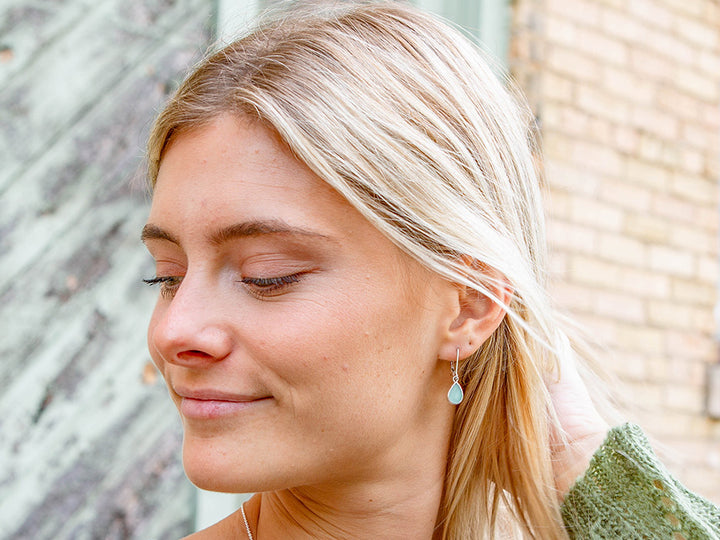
x: 371, y: 511
x: 398, y: 497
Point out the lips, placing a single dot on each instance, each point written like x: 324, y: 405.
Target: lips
x: 207, y: 404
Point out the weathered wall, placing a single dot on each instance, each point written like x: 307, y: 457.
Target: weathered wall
x: 628, y: 99
x: 89, y: 440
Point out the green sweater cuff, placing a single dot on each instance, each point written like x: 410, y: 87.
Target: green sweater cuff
x: 627, y: 493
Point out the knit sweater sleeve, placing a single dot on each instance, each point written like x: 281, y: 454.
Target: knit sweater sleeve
x: 626, y: 493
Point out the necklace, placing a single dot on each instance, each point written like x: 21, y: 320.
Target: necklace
x: 247, y: 527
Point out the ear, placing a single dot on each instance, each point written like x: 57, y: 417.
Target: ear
x: 478, y: 316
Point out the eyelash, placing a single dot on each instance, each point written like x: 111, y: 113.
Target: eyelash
x: 168, y: 284
x: 270, y: 286
x: 261, y: 286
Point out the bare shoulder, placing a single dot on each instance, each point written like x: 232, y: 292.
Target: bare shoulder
x: 226, y: 528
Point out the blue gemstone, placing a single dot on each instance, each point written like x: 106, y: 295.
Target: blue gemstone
x: 455, y: 394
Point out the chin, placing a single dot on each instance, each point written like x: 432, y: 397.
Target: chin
x: 208, y: 466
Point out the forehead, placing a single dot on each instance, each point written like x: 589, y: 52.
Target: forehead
x: 236, y: 165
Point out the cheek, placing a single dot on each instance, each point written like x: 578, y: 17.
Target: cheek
x: 152, y: 348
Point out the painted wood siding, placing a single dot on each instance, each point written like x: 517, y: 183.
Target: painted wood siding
x: 89, y: 441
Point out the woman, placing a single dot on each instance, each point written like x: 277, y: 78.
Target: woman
x: 348, y: 236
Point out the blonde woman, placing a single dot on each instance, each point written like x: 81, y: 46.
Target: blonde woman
x: 352, y: 320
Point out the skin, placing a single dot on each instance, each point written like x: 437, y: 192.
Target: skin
x: 307, y: 355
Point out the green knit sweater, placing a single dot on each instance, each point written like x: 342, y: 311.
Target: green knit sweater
x: 627, y: 493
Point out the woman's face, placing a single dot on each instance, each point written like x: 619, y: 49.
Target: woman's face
x: 299, y: 344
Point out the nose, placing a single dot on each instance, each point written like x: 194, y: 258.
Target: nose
x: 189, y: 330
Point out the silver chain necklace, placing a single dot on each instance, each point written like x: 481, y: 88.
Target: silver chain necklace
x: 247, y: 527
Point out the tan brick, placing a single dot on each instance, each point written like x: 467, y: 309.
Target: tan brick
x: 558, y: 88
x: 671, y: 261
x: 625, y: 195
x: 557, y: 203
x: 582, y: 11
x: 696, y: 32
x: 571, y: 178
x: 627, y: 139
x: 648, y: 228
x: 707, y: 218
x: 596, y: 157
x: 670, y: 47
x: 656, y: 369
x: 678, y: 103
x: 561, y: 30
x: 602, y: 329
x: 651, y: 149
x: 692, y: 161
x: 606, y: 49
x: 599, y: 102
x: 619, y: 306
x: 712, y: 17
x: 697, y: 84
x: 699, y: 136
x: 694, y: 239
x: 622, y: 249
x: 640, y: 338
x: 694, y: 188
x: 565, y: 119
x: 684, y: 398
x: 656, y: 122
x: 712, y: 164
x: 572, y: 297
x: 648, y: 174
x: 703, y: 320
x: 628, y: 85
x: 694, y: 9
x: 689, y: 345
x: 694, y: 292
x: 616, y: 23
x: 659, y: 420
x: 690, y: 372
x: 628, y: 366
x: 707, y: 270
x: 672, y: 208
x: 556, y: 146
x: 651, y: 12
x: 569, y: 236
x: 665, y: 314
x: 643, y: 283
x: 571, y: 63
x: 592, y: 271
x: 601, y: 130
x: 596, y: 214
x: 652, y: 64
x: 708, y: 62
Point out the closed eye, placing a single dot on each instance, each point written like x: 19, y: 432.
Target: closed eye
x: 168, y: 284
x: 261, y: 286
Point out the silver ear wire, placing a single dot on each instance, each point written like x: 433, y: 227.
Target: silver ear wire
x: 455, y: 394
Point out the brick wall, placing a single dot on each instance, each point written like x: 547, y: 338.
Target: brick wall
x: 628, y: 99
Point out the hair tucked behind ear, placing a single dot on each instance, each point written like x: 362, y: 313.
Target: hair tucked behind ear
x: 402, y: 116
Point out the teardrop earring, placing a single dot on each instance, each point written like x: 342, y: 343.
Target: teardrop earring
x: 455, y: 394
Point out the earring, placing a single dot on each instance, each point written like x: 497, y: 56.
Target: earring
x: 455, y: 394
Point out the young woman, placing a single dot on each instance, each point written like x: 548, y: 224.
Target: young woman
x: 349, y: 244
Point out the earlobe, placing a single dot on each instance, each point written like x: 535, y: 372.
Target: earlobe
x: 478, y: 316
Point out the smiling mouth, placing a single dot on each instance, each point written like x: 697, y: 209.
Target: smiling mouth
x: 207, y: 405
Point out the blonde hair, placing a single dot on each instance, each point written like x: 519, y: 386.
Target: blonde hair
x: 403, y: 116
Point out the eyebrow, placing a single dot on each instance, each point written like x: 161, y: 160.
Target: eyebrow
x: 237, y: 230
